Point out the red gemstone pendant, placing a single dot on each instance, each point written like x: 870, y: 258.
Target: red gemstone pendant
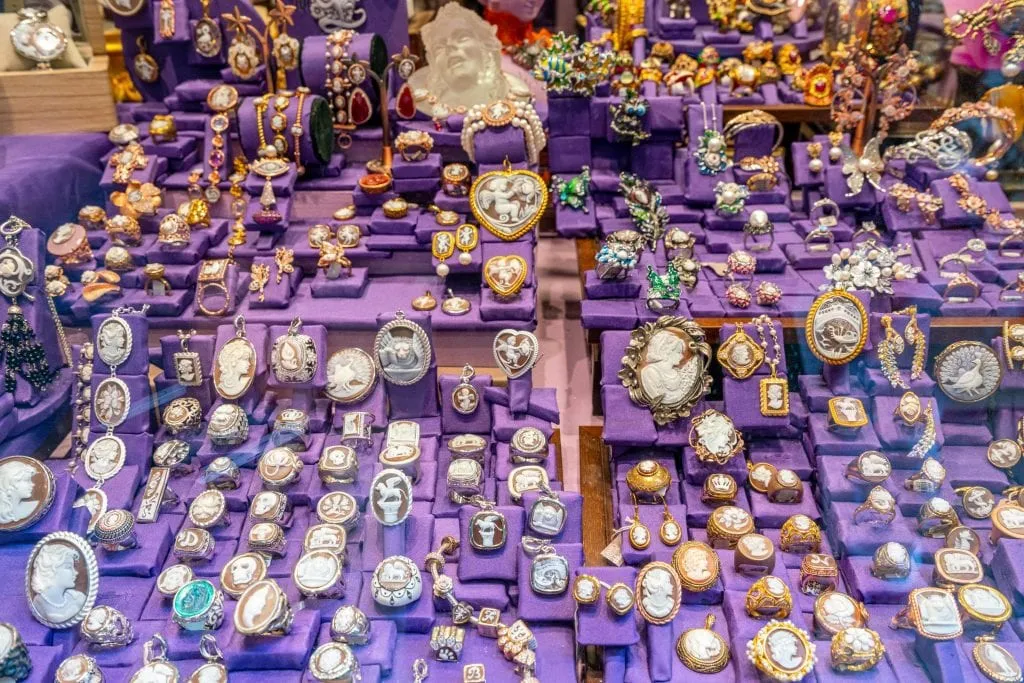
x: 359, y: 109
x: 405, y: 104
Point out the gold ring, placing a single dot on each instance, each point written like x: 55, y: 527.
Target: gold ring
x: 769, y: 598
x: 163, y: 128
x: 936, y: 517
x: 800, y: 534
x: 856, y: 649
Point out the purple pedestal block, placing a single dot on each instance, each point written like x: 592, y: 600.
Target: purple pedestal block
x: 867, y: 588
x: 535, y: 606
x: 497, y: 564
x: 413, y: 538
x: 121, y: 489
x: 244, y: 653
x: 861, y: 539
x: 596, y: 624
x: 697, y: 471
x: 769, y: 515
x: 454, y: 422
x: 1008, y: 570
x: 837, y: 443
x: 380, y: 649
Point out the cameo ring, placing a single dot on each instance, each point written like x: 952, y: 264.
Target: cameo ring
x: 878, y: 510
x: 105, y: 628
x: 936, y: 517
x: 198, y: 606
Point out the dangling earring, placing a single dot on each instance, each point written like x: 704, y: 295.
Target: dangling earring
x: 888, y: 349
x: 915, y: 337
x: 670, y: 532
x: 639, y: 534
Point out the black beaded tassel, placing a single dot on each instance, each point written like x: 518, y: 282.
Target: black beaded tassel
x: 23, y: 353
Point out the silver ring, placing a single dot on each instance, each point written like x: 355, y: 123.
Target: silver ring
x: 14, y: 661
x: 222, y: 473
x: 198, y: 606
x: 465, y: 477
x: 334, y: 663
x: 355, y: 430
x: 229, y: 425
x: 268, y: 538
x: 291, y: 427
x: 350, y: 625
x: 176, y: 455
x: 115, y: 531
x: 105, y: 628
x: 194, y: 545
x: 338, y: 465
x: 528, y: 445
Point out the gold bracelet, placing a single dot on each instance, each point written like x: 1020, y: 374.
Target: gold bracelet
x: 297, y: 130
x: 1006, y: 126
x: 260, y: 105
x: 750, y: 119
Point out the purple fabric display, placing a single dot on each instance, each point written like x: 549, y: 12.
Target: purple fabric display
x: 861, y: 539
x: 412, y: 538
x: 569, y: 154
x: 453, y: 422
x: 836, y: 443
x: 773, y: 515
x: 121, y: 488
x: 245, y: 653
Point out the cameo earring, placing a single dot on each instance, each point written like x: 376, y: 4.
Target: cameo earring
x: 639, y: 534
x: 670, y: 532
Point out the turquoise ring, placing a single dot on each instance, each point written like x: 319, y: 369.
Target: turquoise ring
x: 198, y: 606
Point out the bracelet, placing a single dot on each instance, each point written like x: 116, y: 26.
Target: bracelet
x: 516, y: 642
x: 1006, y: 127
x: 520, y: 115
x: 972, y: 203
x: 297, y: 130
x: 752, y: 119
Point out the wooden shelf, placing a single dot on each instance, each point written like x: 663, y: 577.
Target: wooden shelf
x: 57, y: 100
